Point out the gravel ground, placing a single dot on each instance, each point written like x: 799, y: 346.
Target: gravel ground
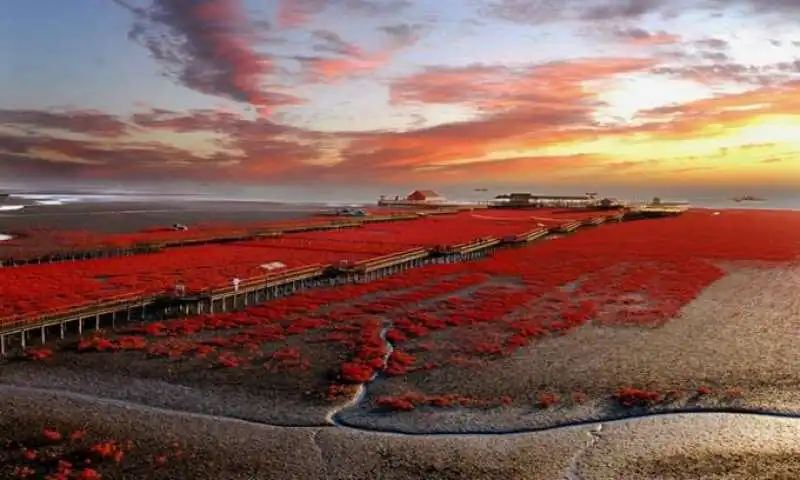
x: 696, y: 446
x: 295, y: 397
x: 225, y: 449
x: 738, y: 334
x: 679, y: 446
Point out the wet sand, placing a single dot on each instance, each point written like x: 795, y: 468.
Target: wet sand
x: 130, y: 216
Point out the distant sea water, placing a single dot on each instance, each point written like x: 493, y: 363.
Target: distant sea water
x: 23, y: 201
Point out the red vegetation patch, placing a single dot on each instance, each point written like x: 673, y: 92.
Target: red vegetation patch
x: 630, y: 397
x: 703, y: 391
x: 205, y: 267
x: 636, y: 274
x: 60, y: 455
x: 411, y: 401
x: 547, y: 400
x: 39, y: 353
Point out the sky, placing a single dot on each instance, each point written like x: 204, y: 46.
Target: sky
x: 379, y: 94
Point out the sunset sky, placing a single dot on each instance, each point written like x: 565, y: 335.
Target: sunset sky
x: 589, y: 93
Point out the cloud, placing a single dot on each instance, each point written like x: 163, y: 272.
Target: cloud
x: 727, y: 112
x: 721, y: 69
x: 88, y: 122
x: 330, y: 42
x: 640, y: 36
x: 50, y: 156
x: 403, y: 34
x: 552, y: 87
x: 351, y: 60
x: 712, y: 43
x: 519, y: 109
x: 532, y: 121
x: 547, y: 11
x: 297, y: 13
x: 208, y: 46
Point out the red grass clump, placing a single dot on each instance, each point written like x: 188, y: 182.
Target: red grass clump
x: 51, y: 435
x: 547, y: 400
x: 55, y: 458
x: 703, y: 391
x: 734, y: 393
x: 356, y: 372
x: 39, y: 353
x: 411, y: 401
x: 630, y: 397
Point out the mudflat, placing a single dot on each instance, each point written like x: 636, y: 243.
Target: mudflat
x: 547, y: 361
x: 132, y: 216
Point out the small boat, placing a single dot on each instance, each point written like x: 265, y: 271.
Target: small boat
x: 748, y: 198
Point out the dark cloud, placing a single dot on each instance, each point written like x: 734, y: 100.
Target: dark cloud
x: 403, y: 33
x: 296, y: 13
x: 646, y: 37
x: 208, y: 47
x: 326, y: 41
x: 89, y: 122
x: 50, y: 156
x: 723, y: 70
x: 711, y: 43
x: 546, y: 11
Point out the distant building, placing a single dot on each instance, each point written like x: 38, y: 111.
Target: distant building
x: 424, y: 196
x: 533, y: 200
x: 520, y: 198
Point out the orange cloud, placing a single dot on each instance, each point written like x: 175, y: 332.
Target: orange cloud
x: 727, y: 111
x: 352, y: 60
x: 555, y: 86
x: 528, y: 123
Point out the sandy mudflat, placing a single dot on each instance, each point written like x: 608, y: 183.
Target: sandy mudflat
x: 224, y: 449
x: 696, y: 446
x: 130, y: 216
x: 253, y: 393
x: 681, y: 446
x: 740, y: 333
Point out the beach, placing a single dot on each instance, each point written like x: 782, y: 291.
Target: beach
x: 536, y: 386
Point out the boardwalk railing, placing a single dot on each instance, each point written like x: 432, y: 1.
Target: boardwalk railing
x: 82, y: 309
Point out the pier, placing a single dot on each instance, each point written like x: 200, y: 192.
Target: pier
x: 19, y: 332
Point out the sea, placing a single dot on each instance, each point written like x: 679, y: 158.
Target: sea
x: 25, y: 201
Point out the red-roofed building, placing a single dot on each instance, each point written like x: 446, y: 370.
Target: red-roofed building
x: 424, y: 196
